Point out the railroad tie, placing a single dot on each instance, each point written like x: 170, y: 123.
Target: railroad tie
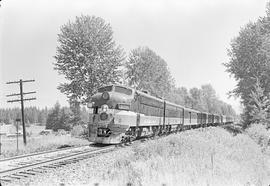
x: 14, y: 165
x: 50, y: 166
x: 36, y: 171
x: 23, y: 163
x: 5, y: 180
x: 27, y: 173
x: 32, y: 172
x: 14, y: 176
x: 20, y: 174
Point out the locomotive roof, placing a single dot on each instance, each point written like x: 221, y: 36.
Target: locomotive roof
x: 160, y: 99
x: 192, y: 110
x: 116, y: 85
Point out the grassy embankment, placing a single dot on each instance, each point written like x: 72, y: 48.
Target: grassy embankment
x: 210, y: 156
x: 37, y: 143
x: 199, y: 157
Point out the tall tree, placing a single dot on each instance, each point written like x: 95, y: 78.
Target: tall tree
x: 146, y: 70
x: 87, y: 56
x: 250, y: 61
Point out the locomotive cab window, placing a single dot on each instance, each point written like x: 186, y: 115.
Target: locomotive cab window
x: 123, y: 90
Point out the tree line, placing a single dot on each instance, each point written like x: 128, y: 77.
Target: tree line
x: 54, y: 118
x: 32, y: 115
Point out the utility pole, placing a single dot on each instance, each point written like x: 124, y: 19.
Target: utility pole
x: 17, y: 130
x: 21, y: 94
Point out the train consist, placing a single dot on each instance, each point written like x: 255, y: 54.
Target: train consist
x: 122, y: 114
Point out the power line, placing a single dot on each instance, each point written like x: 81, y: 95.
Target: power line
x: 20, y: 94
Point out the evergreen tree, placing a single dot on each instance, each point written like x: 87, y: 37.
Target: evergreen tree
x: 259, y: 105
x: 76, y: 117
x: 64, y: 120
x: 53, y: 117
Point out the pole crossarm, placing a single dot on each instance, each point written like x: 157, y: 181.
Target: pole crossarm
x: 29, y: 99
x: 31, y: 80
x: 12, y: 82
x: 18, y: 100
x: 24, y: 81
x: 20, y: 94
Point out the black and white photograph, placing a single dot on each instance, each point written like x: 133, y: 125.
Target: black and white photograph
x: 135, y: 92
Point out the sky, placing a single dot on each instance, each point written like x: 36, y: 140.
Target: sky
x: 191, y: 36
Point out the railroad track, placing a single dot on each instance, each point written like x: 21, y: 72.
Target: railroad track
x: 38, y: 153
x: 19, y: 167
x: 29, y: 165
x: 233, y: 128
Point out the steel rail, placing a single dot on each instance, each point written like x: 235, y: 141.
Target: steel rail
x: 43, y: 163
x: 39, y: 153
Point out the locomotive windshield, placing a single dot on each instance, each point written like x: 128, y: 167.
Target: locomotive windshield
x: 107, y: 88
x: 118, y: 89
x: 123, y: 90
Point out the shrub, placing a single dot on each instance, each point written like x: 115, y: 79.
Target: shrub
x: 259, y: 134
x: 78, y: 130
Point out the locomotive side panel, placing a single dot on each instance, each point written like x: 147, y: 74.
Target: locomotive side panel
x: 191, y: 117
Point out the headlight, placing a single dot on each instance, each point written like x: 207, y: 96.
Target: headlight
x: 103, y: 116
x: 104, y: 108
x: 105, y: 95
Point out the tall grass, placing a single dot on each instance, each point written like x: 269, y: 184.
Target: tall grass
x: 259, y: 134
x: 38, y: 144
x: 198, y: 157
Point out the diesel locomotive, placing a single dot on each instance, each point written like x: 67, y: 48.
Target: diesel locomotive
x: 123, y: 114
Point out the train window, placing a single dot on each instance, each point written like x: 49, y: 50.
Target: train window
x: 198, y: 117
x: 107, y: 88
x: 123, y: 90
x: 193, y: 115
